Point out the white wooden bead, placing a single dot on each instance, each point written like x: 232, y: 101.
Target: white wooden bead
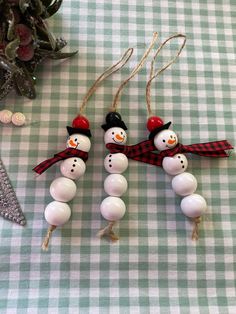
x: 73, y: 168
x: 193, y: 205
x: 115, y: 185
x: 79, y: 141
x: 63, y: 189
x: 165, y: 139
x: 184, y: 184
x: 175, y: 165
x: 57, y: 213
x: 18, y: 119
x: 116, y: 163
x: 115, y: 135
x: 5, y: 116
x: 112, y: 208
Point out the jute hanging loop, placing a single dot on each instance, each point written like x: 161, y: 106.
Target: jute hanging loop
x: 152, y: 75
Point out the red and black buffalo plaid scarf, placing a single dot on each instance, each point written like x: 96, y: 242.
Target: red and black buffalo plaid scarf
x: 67, y: 153
x: 143, y: 151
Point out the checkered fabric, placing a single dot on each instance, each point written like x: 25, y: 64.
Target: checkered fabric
x: 155, y: 267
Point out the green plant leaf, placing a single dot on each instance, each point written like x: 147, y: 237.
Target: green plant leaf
x: 25, y: 83
x: 10, y: 50
x: 53, y: 8
x: 23, y: 5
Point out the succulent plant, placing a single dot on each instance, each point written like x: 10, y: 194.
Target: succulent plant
x: 25, y: 41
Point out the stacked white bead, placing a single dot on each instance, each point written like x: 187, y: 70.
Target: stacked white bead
x: 115, y: 185
x: 73, y: 168
x: 112, y: 208
x: 193, y: 205
x: 116, y: 163
x: 63, y: 189
x: 175, y: 165
x: 57, y: 213
x: 184, y: 184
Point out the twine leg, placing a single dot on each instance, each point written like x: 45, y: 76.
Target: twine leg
x: 47, y: 237
x: 108, y: 232
x: 195, y: 233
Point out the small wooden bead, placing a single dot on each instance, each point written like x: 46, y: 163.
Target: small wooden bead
x: 18, y: 119
x: 5, y: 116
x: 184, y: 184
x: 112, y: 208
x: 57, y: 213
x: 115, y: 185
x: 116, y: 163
x: 63, y: 189
x: 193, y: 205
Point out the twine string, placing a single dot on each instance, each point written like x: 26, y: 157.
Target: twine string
x: 134, y: 72
x: 158, y: 72
x: 107, y: 231
x: 195, y: 232
x: 113, y: 69
x: 47, y: 237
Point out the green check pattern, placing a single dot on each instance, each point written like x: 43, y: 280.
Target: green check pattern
x: 155, y: 267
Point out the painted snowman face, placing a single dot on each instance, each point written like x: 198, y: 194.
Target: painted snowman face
x: 166, y: 139
x: 73, y: 168
x: 116, y: 163
x: 115, y: 135
x: 79, y: 141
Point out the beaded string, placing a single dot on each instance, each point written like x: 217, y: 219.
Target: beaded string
x: 79, y: 125
x: 111, y: 211
x: 175, y: 184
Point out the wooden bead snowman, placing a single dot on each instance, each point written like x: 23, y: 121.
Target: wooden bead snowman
x: 183, y: 183
x: 63, y: 189
x: 115, y: 185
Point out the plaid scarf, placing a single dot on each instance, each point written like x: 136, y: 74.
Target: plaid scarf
x: 143, y: 151
x: 67, y: 153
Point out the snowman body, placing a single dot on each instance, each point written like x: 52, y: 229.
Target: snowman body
x: 63, y: 189
x: 183, y: 183
x: 115, y: 185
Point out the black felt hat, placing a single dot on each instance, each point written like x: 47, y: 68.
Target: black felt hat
x: 113, y: 119
x: 71, y: 131
x: 159, y: 129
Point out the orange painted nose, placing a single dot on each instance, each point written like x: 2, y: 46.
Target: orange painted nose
x: 72, y: 143
x: 120, y: 138
x: 171, y: 141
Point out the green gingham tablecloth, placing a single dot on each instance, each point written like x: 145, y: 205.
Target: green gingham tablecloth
x: 155, y: 267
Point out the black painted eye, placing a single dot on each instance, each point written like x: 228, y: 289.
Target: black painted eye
x: 76, y: 139
x: 163, y: 141
x: 171, y: 136
x: 121, y: 132
x: 113, y: 133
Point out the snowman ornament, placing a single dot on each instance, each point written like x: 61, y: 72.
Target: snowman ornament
x: 193, y: 205
x: 115, y: 185
x: 63, y: 189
